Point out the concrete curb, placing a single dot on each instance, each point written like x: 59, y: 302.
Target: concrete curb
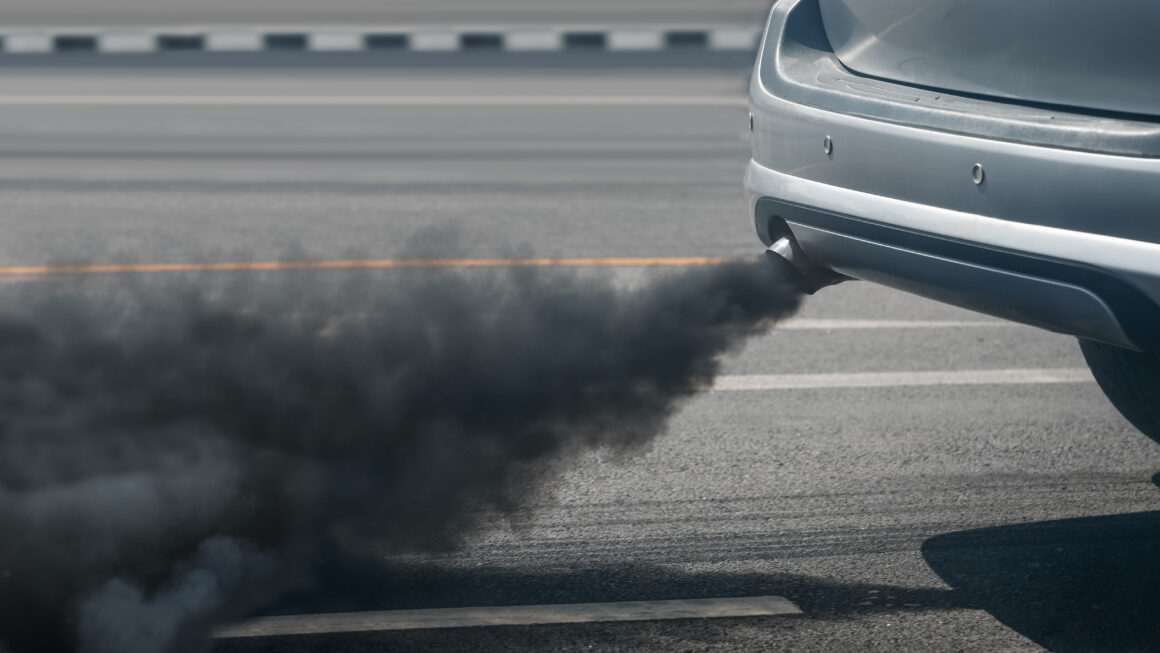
x: 105, y: 40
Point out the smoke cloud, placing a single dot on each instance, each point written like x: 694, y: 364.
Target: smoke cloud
x: 171, y: 453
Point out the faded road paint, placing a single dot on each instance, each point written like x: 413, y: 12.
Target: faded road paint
x: 354, y: 622
x: 47, y: 270
x: 377, y: 100
x: 898, y: 379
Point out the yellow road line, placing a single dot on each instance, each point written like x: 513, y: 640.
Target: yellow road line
x: 379, y: 264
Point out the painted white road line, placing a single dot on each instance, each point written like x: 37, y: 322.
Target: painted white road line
x: 842, y: 324
x: 435, y: 41
x: 898, y: 379
x: 530, y: 41
x: 529, y: 615
x: 240, y: 41
x: 125, y: 43
x: 27, y: 43
x: 378, y: 101
x: 734, y: 38
x: 336, y: 42
x: 638, y: 40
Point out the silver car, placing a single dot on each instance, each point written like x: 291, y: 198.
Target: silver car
x: 1001, y: 156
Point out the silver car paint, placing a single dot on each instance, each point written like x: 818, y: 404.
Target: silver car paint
x: 1132, y: 260
x: 1064, y: 204
x: 1081, y: 191
x: 1084, y: 53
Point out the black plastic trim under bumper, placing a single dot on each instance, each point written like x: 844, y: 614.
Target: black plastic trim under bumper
x: 1138, y: 314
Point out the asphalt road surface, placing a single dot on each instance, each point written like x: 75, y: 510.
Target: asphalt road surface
x: 983, y: 508
x: 354, y: 12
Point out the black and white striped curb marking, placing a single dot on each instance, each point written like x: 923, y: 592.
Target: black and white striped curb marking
x: 384, y: 39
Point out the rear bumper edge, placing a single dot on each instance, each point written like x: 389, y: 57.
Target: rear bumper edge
x: 1090, y: 285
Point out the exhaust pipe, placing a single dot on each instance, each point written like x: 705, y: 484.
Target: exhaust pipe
x: 811, y: 277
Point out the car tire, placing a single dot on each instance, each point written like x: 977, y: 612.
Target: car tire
x: 1131, y: 380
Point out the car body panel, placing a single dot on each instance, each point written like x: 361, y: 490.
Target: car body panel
x: 798, y: 64
x: 1135, y: 265
x: 1039, y: 201
x: 1082, y: 53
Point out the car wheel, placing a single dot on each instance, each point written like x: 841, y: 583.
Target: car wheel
x: 1131, y: 380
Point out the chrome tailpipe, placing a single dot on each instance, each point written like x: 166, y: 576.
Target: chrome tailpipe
x: 811, y: 277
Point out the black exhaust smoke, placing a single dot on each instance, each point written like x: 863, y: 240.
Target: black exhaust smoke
x: 169, y: 460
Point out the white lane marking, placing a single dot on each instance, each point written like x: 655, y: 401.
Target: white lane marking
x: 335, y: 42
x: 842, y: 324
x: 357, y: 622
x: 240, y: 41
x: 734, y: 38
x: 435, y: 41
x: 379, y: 101
x: 636, y: 40
x: 533, y: 41
x: 27, y: 43
x: 898, y: 379
x: 127, y: 43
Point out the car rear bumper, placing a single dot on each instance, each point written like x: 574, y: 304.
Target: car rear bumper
x: 1062, y: 237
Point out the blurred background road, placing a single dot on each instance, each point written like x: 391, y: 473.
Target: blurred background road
x: 348, y: 12
x: 913, y: 516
